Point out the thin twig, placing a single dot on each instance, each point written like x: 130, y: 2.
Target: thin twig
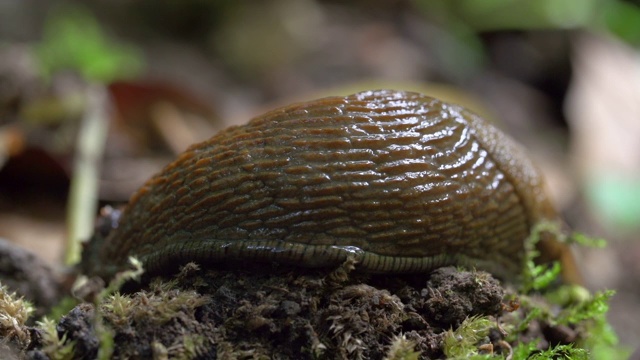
x: 83, y: 196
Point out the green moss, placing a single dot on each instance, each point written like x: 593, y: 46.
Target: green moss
x: 105, y: 335
x: 537, y: 277
x: 102, y: 304
x: 524, y: 350
x: 122, y: 277
x: 544, y: 300
x: 584, y: 240
x: 159, y: 307
x: 597, y: 339
x: 463, y: 342
x: 119, y: 308
x: 529, y: 351
x: 191, y: 347
x: 602, y: 341
x: 56, y: 348
x: 14, y: 313
x: 561, y: 352
x: 402, y: 349
x: 540, y: 296
x: 590, y: 309
x: 543, y: 303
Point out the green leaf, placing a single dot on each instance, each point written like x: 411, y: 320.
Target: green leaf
x: 587, y: 241
x: 73, y: 40
x: 623, y: 20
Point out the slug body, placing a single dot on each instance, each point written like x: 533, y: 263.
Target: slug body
x: 399, y: 181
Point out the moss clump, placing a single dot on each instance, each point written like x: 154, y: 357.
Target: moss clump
x: 54, y: 347
x: 14, y: 313
x: 275, y: 311
x: 155, y: 306
x: 402, y: 348
x: 572, y: 321
x: 463, y: 342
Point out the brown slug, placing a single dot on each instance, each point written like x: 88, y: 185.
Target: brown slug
x: 398, y: 181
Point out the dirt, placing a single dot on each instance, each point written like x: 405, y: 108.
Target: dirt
x: 29, y: 276
x: 277, y: 312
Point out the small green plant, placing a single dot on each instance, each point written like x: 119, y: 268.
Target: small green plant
x: 122, y: 277
x: 56, y: 348
x: 603, y: 341
x: 561, y: 352
x: 579, y: 307
x: 104, y: 333
x: 540, y: 296
x: 161, y: 303
x: 73, y: 40
x: 14, y: 312
x: 402, y: 349
x: 595, y: 307
x: 584, y: 240
x: 537, y: 277
x: 530, y: 351
x: 119, y: 307
x: 462, y: 343
x: 191, y: 346
x: 160, y: 307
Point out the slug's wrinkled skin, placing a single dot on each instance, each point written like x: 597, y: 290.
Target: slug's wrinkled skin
x: 399, y: 181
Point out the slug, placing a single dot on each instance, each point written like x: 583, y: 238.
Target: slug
x: 398, y: 181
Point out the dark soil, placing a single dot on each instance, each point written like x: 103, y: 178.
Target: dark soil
x: 27, y: 275
x: 283, y: 313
